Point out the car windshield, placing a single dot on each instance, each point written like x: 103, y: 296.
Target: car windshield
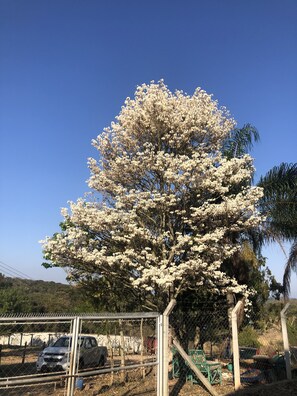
x: 65, y: 342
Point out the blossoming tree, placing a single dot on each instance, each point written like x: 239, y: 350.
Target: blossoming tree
x: 169, y: 201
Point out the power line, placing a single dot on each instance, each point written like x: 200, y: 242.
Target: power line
x: 10, y: 272
x: 13, y: 271
x: 6, y: 272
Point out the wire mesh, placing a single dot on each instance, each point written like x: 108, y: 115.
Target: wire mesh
x: 203, y: 331
x: 131, y: 350
x: 22, y: 341
x: 261, y: 350
x: 112, y: 350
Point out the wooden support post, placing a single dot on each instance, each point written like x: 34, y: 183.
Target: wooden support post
x: 192, y: 366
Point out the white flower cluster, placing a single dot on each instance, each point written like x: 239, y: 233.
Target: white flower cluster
x: 172, y: 199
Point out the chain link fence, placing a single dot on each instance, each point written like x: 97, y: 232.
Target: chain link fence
x: 261, y: 347
x: 22, y: 340
x: 62, y: 355
x: 262, y: 337
x: 230, y: 347
x: 127, y: 353
x: 203, y: 330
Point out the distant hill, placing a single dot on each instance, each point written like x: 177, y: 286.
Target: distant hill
x: 38, y: 296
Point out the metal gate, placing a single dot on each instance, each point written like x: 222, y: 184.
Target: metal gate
x: 131, y: 340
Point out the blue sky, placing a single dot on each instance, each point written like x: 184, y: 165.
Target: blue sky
x: 67, y: 66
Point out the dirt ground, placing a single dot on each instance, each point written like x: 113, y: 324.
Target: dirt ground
x: 283, y: 388
x: 144, y: 388
x: 101, y: 386
x: 132, y: 385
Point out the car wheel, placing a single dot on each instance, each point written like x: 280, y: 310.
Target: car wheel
x: 101, y: 361
x: 81, y: 363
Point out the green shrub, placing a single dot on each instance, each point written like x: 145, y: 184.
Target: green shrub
x: 248, y: 337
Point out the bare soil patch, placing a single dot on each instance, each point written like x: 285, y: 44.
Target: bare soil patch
x: 132, y: 383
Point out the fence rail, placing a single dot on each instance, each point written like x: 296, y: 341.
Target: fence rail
x: 130, y: 340
x: 217, y: 348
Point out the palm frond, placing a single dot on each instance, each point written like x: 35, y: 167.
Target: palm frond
x: 290, y: 266
x: 240, y: 141
x: 280, y: 181
x: 279, y: 203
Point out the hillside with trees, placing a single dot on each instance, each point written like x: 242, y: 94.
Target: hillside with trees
x: 38, y: 297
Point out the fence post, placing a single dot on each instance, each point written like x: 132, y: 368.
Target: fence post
x: 73, y: 357
x: 201, y: 377
x: 235, y: 346
x: 160, y: 357
x: 165, y: 333
x: 122, y: 350
x: 230, y: 305
x: 24, y: 353
x: 286, y: 341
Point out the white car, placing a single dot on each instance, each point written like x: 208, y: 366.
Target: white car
x: 57, y: 356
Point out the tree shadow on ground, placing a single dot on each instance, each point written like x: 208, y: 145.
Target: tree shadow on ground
x: 281, y: 388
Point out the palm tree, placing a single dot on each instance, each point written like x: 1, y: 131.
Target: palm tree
x: 279, y: 203
x: 240, y: 141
